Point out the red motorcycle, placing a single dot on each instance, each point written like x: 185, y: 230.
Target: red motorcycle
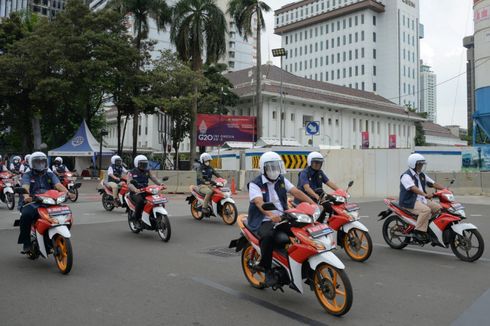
x: 108, y: 198
x: 154, y: 217
x: 445, y: 228
x: 352, y: 235
x: 50, y: 234
x: 303, y: 255
x: 6, y: 189
x: 68, y: 179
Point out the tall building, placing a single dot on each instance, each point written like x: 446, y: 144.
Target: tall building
x: 9, y: 6
x: 469, y: 44
x: 48, y: 8
x: 240, y: 53
x: 363, y: 44
x: 428, y: 92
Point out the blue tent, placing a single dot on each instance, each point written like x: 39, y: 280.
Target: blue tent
x: 82, y: 144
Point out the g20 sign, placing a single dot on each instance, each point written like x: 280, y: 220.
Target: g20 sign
x: 215, y: 130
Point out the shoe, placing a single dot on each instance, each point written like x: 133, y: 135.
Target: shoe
x: 26, y: 249
x: 206, y: 211
x: 421, y: 236
x: 270, y: 279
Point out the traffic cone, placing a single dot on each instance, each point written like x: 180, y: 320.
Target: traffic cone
x: 233, y: 186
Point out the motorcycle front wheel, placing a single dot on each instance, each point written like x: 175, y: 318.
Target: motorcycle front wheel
x: 163, y: 227
x: 469, y: 246
x: 333, y: 289
x: 63, y: 253
x: 229, y: 213
x: 358, y: 245
x: 75, y: 192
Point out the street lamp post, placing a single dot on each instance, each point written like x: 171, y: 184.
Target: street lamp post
x: 280, y: 52
x: 103, y: 133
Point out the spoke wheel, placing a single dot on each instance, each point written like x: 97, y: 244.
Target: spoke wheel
x: 358, y: 245
x: 333, y: 289
x: 393, y: 232
x: 469, y: 246
x: 229, y: 213
x: 107, y: 202
x: 63, y: 253
x: 250, y: 257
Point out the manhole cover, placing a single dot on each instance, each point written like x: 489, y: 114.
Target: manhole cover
x: 222, y: 252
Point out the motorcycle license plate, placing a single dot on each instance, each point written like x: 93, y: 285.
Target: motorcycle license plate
x: 319, y: 230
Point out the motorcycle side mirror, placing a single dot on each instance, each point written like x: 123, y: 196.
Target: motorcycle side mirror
x: 269, y: 207
x: 351, y: 183
x: 164, y: 179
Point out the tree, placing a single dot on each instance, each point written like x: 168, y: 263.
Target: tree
x: 141, y: 11
x: 243, y: 12
x: 419, y: 139
x: 198, y: 28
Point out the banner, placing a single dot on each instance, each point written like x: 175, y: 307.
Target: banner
x: 365, y: 139
x: 215, y: 129
x: 392, y: 141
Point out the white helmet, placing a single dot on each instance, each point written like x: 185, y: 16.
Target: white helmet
x: 38, y: 161
x: 141, y: 162
x: 314, y: 157
x: 115, y: 158
x: 415, y: 159
x: 205, y: 157
x: 58, y: 159
x: 16, y: 159
x: 26, y: 158
x: 271, y: 165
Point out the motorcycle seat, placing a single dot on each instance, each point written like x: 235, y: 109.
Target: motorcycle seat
x: 397, y: 205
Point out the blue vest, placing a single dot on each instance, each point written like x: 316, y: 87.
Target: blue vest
x: 407, y: 197
x: 315, y: 179
x: 141, y: 177
x: 40, y: 183
x: 117, y: 171
x: 17, y: 167
x: 61, y: 168
x: 255, y: 216
x: 207, y: 174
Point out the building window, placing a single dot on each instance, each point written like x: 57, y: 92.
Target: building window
x: 350, y: 38
x: 362, y: 86
x: 356, y: 20
x: 362, y: 70
x: 357, y: 71
x: 357, y: 54
x: 336, y: 122
x: 374, y: 20
x: 374, y: 87
x: 362, y: 36
x: 329, y: 121
x: 374, y: 53
x: 374, y: 37
x: 362, y: 53
x: 362, y: 19
x: 344, y: 55
x: 350, y: 22
x: 274, y: 114
x: 374, y: 70
x: 344, y: 73
x: 350, y: 55
x: 354, y: 125
x: 292, y: 116
x: 350, y: 72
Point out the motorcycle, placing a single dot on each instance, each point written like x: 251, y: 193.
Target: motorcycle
x: 221, y: 202
x: 6, y: 189
x: 305, y: 256
x: 68, y: 179
x: 445, y: 228
x: 352, y: 235
x: 50, y: 234
x: 154, y: 217
x: 108, y: 198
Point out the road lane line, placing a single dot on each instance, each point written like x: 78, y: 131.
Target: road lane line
x: 428, y: 251
x: 262, y: 303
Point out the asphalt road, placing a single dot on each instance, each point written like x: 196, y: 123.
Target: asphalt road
x: 120, y: 278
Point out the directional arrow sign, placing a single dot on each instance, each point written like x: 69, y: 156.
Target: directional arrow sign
x: 313, y: 128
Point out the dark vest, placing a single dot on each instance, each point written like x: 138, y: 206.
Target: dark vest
x: 255, y: 216
x: 407, y: 197
x: 117, y: 171
x: 39, y: 184
x: 61, y: 168
x: 315, y: 179
x: 207, y: 174
x: 141, y: 177
x: 17, y: 167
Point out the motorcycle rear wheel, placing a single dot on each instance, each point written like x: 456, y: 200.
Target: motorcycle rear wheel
x: 107, y: 202
x: 250, y: 257
x: 132, y: 224
x: 332, y: 285
x: 63, y: 253
x: 388, y: 232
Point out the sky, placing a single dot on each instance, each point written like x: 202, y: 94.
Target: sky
x: 446, y: 23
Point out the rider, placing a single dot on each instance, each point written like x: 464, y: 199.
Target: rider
x: 59, y: 168
x: 36, y: 181
x: 270, y: 186
x: 413, y: 195
x: 26, y: 163
x: 204, y: 179
x: 114, y: 173
x: 138, y: 179
x: 3, y: 167
x: 16, y: 165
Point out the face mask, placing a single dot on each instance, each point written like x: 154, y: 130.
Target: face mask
x: 273, y: 175
x: 207, y: 163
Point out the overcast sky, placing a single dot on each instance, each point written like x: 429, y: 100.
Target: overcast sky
x: 446, y: 23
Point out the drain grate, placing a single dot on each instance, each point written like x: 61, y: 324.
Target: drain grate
x: 222, y: 252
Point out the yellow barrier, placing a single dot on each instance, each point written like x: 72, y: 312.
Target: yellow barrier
x: 291, y: 161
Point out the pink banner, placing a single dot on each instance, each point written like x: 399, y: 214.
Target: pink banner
x: 392, y: 141
x: 215, y: 130
x: 365, y: 139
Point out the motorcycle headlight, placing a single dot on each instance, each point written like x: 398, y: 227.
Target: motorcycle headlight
x: 302, y: 218
x: 449, y: 197
x: 48, y: 201
x: 61, y: 199
x: 353, y: 214
x: 339, y: 199
x: 459, y: 210
x: 219, y: 184
x: 317, y: 213
x: 62, y: 219
x: 154, y: 191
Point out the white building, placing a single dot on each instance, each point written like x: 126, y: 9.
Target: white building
x: 363, y: 44
x: 48, y: 8
x: 240, y: 53
x: 428, y: 93
x: 437, y: 135
x: 343, y: 113
x: 9, y: 6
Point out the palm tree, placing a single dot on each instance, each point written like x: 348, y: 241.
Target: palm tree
x: 141, y: 11
x: 198, y: 27
x: 243, y: 12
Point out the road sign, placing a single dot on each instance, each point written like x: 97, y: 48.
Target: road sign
x: 312, y: 128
